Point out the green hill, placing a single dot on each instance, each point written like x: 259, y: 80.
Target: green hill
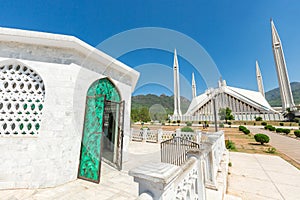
x: 167, y: 102
x: 273, y: 96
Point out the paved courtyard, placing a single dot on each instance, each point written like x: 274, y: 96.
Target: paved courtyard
x: 252, y: 177
x: 286, y: 145
x: 262, y: 177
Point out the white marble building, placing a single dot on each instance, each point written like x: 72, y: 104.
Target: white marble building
x: 49, y: 85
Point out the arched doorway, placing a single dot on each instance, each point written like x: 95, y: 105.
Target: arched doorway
x: 103, y: 130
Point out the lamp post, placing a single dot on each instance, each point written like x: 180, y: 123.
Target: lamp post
x: 213, y: 93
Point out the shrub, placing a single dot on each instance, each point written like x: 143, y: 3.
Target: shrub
x: 174, y: 122
x: 262, y: 138
x: 229, y: 164
x: 258, y: 119
x: 187, y: 129
x: 271, y: 150
x: 230, y: 145
x: 241, y: 128
x: 188, y: 123
x: 286, y: 131
x: 143, y: 127
x: 272, y: 128
x: 178, y: 121
x: 229, y: 123
x: 297, y: 133
x: 281, y: 124
x: 297, y: 119
x: 279, y: 130
x: 264, y: 123
x: 267, y: 127
x: 163, y: 123
x: 246, y: 131
x: 254, y: 124
x: 199, y: 122
x: 221, y: 125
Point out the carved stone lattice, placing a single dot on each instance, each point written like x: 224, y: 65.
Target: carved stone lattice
x: 22, y: 94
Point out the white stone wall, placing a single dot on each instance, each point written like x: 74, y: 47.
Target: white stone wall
x: 51, y: 158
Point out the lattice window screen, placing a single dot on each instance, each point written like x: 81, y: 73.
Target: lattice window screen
x: 22, y: 94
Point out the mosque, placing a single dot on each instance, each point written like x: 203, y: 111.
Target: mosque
x: 246, y: 105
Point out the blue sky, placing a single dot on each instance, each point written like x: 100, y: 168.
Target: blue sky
x: 234, y: 33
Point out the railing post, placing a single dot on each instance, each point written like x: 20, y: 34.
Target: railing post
x: 131, y: 134
x: 156, y: 180
x: 178, y: 132
x: 196, y: 153
x: 159, y: 135
x: 198, y: 136
x: 144, y: 134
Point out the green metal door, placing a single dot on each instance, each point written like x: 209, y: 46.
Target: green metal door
x: 103, y: 130
x: 91, y: 145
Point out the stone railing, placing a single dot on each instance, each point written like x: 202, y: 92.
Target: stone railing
x: 160, y: 135
x: 205, y: 169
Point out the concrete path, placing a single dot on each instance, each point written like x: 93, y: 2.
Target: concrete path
x: 286, y: 145
x: 261, y: 177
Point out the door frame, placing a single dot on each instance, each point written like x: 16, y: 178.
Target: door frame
x: 120, y: 130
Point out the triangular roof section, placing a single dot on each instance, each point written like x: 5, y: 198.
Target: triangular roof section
x: 250, y: 97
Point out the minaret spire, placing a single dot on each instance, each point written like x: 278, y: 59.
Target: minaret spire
x: 194, y: 92
x: 259, y: 80
x: 282, y: 74
x: 177, y: 110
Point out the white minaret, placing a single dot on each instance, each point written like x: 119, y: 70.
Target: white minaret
x: 194, y: 93
x: 260, y: 84
x: 177, y: 110
x: 282, y: 74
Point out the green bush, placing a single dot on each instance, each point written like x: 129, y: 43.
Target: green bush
x: 246, y: 131
x: 229, y: 123
x: 279, y: 130
x: 297, y: 119
x: 199, y: 122
x: 258, y: 119
x: 221, y: 125
x: 286, y: 131
x: 187, y: 129
x: 267, y: 127
x: 145, y: 127
x: 241, y: 128
x: 188, y: 123
x: 272, y: 128
x: 230, y: 145
x: 297, y: 133
x: 262, y: 138
x: 281, y: 124
x: 264, y: 123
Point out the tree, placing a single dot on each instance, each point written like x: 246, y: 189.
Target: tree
x: 141, y: 114
x: 225, y: 114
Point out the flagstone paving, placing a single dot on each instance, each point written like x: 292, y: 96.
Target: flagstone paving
x: 252, y: 177
x: 256, y: 176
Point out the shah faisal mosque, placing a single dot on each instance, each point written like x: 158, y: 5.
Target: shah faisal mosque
x: 245, y: 104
